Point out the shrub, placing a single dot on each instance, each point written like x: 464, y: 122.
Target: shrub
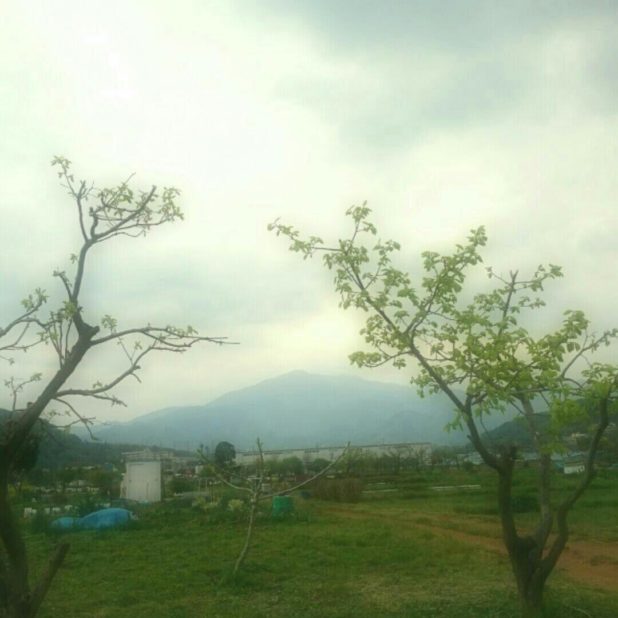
x: 86, y: 505
x: 41, y: 521
x: 222, y: 510
x: 338, y: 490
x: 180, y: 485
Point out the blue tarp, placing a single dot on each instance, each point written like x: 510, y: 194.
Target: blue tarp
x: 105, y: 518
x: 65, y: 523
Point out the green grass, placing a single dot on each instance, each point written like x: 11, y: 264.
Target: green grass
x: 593, y: 517
x: 331, y: 560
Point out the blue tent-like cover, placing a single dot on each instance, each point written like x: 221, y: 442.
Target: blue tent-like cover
x: 99, y: 520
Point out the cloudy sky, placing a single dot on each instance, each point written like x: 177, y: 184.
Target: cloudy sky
x: 444, y: 116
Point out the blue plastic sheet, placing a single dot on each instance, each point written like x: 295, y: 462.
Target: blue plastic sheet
x: 64, y: 523
x: 99, y: 520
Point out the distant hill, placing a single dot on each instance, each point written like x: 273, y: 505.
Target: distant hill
x: 515, y: 432
x: 298, y: 409
x: 58, y: 448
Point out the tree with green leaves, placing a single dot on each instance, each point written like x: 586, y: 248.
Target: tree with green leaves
x: 291, y: 466
x: 69, y: 335
x: 316, y: 465
x: 484, y: 353
x: 225, y: 454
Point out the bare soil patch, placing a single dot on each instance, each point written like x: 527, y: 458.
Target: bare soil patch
x: 590, y: 562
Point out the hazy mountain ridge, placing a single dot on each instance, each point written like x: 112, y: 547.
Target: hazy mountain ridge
x: 298, y: 409
x: 57, y: 448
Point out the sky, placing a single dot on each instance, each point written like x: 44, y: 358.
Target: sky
x: 443, y: 116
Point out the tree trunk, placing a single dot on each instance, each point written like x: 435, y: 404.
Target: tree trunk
x: 532, y: 604
x: 525, y: 553
x: 16, y: 569
x: 17, y: 600
x: 21, y: 602
x: 245, y: 550
x: 529, y: 576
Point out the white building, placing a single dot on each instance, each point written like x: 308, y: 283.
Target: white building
x: 142, y: 481
x: 422, y: 450
x: 574, y: 467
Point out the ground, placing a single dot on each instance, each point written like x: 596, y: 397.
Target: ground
x: 404, y: 553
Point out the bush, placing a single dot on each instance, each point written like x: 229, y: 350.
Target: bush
x: 317, y: 465
x: 86, y: 505
x: 180, y: 485
x: 223, y: 510
x: 338, y: 490
x: 41, y: 521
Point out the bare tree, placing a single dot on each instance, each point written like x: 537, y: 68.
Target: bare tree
x: 102, y: 215
x: 253, y: 486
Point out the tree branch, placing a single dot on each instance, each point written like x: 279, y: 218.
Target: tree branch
x: 563, y: 510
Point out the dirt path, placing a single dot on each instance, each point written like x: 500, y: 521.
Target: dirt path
x: 589, y: 562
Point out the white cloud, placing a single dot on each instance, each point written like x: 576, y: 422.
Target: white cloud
x: 297, y: 110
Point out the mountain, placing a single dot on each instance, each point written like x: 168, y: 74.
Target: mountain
x: 294, y: 410
x: 55, y: 448
x: 516, y: 432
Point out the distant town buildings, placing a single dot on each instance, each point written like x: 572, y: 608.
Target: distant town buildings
x: 149, y: 454
x: 419, y: 450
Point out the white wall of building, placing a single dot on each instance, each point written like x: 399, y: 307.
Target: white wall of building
x: 142, y: 481
x: 574, y: 468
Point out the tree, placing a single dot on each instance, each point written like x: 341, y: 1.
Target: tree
x: 66, y: 476
x: 69, y: 335
x: 225, y: 453
x: 483, y: 348
x: 106, y: 481
x: 318, y: 464
x: 292, y: 466
x: 399, y: 457
x: 448, y: 455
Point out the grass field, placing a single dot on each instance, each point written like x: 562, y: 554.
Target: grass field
x: 404, y: 550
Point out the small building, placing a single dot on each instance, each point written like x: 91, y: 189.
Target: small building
x: 142, y: 481
x: 574, y: 466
